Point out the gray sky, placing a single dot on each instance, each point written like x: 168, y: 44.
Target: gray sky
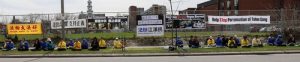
x: 16, y: 7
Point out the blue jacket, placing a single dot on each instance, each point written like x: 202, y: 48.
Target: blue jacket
x: 278, y: 40
x: 24, y: 45
x: 44, y: 45
x: 50, y: 45
x: 271, y: 40
x: 10, y: 45
x: 237, y: 42
x: 85, y: 44
x: 179, y: 42
x: 70, y: 44
x: 219, y: 41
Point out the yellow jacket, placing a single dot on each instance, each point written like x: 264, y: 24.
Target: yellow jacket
x: 62, y: 44
x: 210, y: 42
x: 102, y: 43
x: 231, y: 43
x: 77, y: 45
x: 118, y: 44
x: 244, y: 42
x: 256, y: 42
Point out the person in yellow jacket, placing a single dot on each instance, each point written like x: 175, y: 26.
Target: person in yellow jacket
x: 102, y: 43
x: 256, y: 42
x: 231, y: 43
x: 118, y: 44
x: 62, y: 46
x: 245, y: 42
x: 77, y: 46
x: 211, y: 42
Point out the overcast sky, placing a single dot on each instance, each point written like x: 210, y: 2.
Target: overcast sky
x: 16, y: 7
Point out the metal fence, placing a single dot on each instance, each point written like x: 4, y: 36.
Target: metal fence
x: 280, y: 20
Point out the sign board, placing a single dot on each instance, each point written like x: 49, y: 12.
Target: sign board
x: 188, y: 21
x: 150, y: 30
x: 24, y: 29
x: 238, y: 19
x: 80, y: 23
x: 150, y: 25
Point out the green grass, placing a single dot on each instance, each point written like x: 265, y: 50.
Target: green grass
x: 132, y: 35
x: 150, y: 50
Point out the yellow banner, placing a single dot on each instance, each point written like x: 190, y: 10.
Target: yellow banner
x: 24, y: 29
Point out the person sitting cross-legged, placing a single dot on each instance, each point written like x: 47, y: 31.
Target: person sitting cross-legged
x: 95, y: 45
x: 9, y: 45
x: 231, y: 43
x: 77, y: 46
x: 118, y: 44
x: 279, y: 41
x: 37, y: 45
x: 245, y: 42
x: 24, y: 45
x: 50, y: 45
x: 256, y: 42
x: 102, y: 43
x: 211, y: 42
x: 62, y: 46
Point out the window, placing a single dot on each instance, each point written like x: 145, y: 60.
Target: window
x: 236, y: 7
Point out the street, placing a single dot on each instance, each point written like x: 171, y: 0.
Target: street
x: 224, y: 58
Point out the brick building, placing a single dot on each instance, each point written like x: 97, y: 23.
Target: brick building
x: 286, y: 10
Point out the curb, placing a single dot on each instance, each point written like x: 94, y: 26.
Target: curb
x: 149, y: 54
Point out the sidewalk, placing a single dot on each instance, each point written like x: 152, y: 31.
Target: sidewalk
x: 152, y: 54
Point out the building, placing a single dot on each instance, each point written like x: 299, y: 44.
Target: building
x: 155, y: 10
x: 188, y: 11
x: 279, y: 10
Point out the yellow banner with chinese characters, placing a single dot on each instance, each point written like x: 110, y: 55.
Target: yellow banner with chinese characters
x: 24, y: 29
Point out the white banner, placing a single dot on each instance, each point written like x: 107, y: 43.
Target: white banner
x: 238, y: 19
x: 147, y: 22
x: 150, y: 30
x: 80, y: 23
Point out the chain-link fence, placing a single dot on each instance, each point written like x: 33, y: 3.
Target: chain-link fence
x: 116, y: 24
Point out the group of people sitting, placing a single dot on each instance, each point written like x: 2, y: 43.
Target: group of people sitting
x: 62, y: 45
x: 235, y: 41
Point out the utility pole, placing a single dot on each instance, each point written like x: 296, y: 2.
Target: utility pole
x: 63, y: 19
x: 173, y: 22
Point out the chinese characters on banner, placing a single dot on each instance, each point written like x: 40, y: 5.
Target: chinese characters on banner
x: 24, y: 29
x: 80, y: 23
x: 150, y: 25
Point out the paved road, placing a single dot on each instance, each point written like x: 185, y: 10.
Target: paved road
x: 225, y: 58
